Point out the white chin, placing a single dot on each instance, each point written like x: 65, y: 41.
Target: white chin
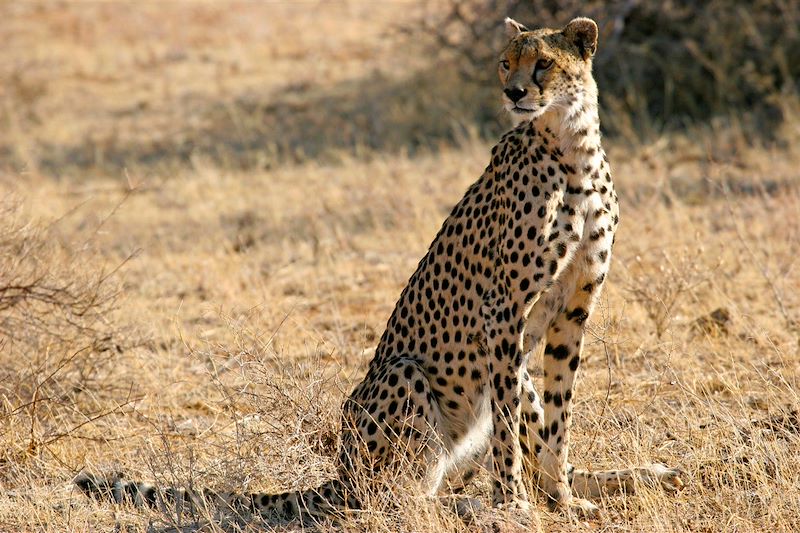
x: 519, y: 116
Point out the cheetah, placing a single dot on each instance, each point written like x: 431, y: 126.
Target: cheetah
x: 520, y: 261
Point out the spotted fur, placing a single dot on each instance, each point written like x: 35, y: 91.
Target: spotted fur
x: 520, y: 261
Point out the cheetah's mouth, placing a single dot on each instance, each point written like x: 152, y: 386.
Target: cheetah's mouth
x: 521, y: 110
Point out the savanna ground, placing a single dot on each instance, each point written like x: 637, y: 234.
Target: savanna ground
x: 192, y: 277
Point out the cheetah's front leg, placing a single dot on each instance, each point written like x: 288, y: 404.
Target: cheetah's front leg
x: 506, y: 364
x: 562, y: 356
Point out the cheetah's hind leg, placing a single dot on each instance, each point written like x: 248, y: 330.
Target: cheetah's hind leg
x: 453, y: 490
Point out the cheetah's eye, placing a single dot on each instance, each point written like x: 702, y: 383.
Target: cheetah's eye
x: 542, y: 66
x: 504, y: 64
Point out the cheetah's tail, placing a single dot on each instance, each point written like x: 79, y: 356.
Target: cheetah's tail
x: 327, y: 500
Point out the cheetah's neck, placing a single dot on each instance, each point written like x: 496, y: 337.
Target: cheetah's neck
x: 576, y: 129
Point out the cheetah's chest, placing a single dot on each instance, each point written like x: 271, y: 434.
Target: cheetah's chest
x: 577, y: 251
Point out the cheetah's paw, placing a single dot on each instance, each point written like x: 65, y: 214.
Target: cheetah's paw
x: 578, y: 508
x: 515, y: 505
x: 659, y: 475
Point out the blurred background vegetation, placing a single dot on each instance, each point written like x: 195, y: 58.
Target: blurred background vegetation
x: 662, y: 67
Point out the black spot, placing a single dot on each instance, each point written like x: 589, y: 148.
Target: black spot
x: 149, y: 495
x: 597, y: 234
x: 578, y: 314
x: 558, y: 353
x: 557, y: 400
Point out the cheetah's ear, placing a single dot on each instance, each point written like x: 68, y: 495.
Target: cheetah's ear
x: 514, y: 28
x: 582, y: 32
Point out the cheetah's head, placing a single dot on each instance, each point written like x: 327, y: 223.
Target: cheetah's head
x: 545, y: 69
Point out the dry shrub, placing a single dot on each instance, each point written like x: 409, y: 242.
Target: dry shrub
x: 681, y: 272
x: 56, y: 338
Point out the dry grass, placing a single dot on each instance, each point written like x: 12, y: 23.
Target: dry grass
x: 219, y: 353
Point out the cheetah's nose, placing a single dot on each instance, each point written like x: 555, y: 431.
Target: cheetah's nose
x: 515, y: 93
